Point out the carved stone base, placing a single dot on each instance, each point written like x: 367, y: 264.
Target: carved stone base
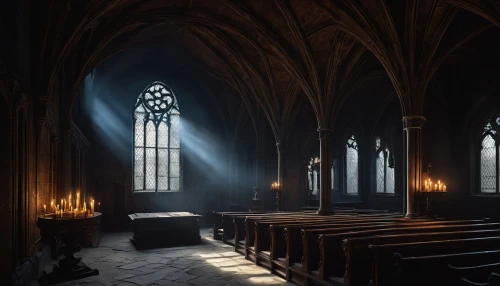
x: 412, y: 215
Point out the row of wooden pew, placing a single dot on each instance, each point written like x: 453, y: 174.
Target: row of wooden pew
x: 360, y: 247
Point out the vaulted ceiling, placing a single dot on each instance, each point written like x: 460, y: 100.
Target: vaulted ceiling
x: 273, y: 55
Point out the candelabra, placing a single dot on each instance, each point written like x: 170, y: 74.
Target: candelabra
x: 430, y: 188
x: 276, y: 188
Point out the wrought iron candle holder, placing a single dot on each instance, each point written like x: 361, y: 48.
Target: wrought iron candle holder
x: 429, y: 190
x: 276, y: 188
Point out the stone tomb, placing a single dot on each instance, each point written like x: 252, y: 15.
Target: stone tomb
x: 164, y: 229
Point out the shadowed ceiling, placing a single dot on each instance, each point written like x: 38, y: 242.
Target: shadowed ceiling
x: 272, y: 55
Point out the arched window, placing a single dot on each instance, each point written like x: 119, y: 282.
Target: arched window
x: 489, y: 157
x: 157, y: 144
x: 384, y: 170
x: 313, y: 176
x: 352, y: 166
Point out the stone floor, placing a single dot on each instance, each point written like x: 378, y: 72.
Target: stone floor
x: 211, y: 263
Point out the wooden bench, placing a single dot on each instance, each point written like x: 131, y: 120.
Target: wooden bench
x: 345, y: 253
x: 493, y: 280
x: 383, y: 255
x: 218, y: 225
x: 263, y: 230
x: 445, y: 269
x: 357, y: 254
x: 228, y: 222
x: 310, y: 253
x: 310, y: 237
x: 262, y: 227
x: 272, y: 245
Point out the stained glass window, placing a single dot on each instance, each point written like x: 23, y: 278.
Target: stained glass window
x: 157, y: 126
x: 352, y: 165
x: 313, y: 176
x: 380, y: 170
x: 384, y: 172
x: 333, y: 175
x: 488, y: 165
x: 315, y: 182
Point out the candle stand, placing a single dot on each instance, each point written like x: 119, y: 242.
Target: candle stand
x: 71, y: 231
x: 429, y: 201
x: 276, y: 188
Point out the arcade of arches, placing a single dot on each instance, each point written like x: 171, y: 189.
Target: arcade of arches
x: 199, y: 106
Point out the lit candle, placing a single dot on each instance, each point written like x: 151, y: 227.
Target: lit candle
x: 444, y: 188
x: 92, y: 207
x: 84, y: 206
x: 44, y: 210
x: 62, y: 204
x: 435, y: 187
x: 99, y: 206
x: 51, y: 206
x: 78, y: 200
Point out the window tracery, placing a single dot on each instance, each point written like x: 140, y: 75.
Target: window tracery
x: 489, y: 156
x: 157, y: 124
x: 352, y: 166
x: 384, y: 170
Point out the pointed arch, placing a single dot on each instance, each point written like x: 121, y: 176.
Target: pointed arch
x: 157, y: 142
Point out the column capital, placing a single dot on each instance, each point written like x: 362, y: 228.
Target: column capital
x: 413, y: 121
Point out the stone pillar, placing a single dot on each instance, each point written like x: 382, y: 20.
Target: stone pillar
x: 413, y: 128
x: 281, y: 176
x: 325, y: 180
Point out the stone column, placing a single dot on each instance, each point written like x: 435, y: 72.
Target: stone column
x: 413, y: 128
x: 325, y: 183
x: 281, y: 176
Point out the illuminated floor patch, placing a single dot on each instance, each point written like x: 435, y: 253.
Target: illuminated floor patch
x: 212, y: 263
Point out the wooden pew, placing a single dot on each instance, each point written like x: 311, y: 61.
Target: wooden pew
x: 218, y: 224
x: 248, y: 224
x: 345, y: 253
x: 267, y: 244
x: 382, y: 268
x: 477, y: 273
x: 436, y: 269
x: 298, y: 272
x: 262, y: 238
x: 292, y: 236
x: 286, y: 235
x: 251, y: 221
x: 493, y: 280
x: 228, y: 222
x: 358, y: 263
x: 311, y: 248
x: 224, y: 220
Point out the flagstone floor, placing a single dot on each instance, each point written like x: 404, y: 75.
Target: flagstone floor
x: 211, y: 263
